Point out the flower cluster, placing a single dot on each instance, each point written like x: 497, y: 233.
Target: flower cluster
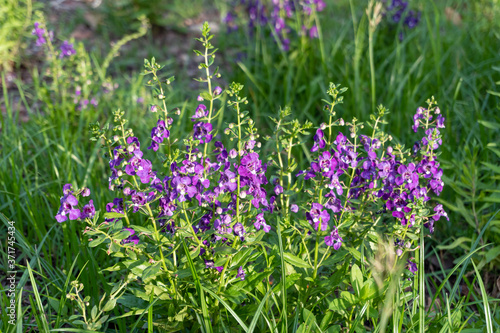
x: 69, y: 205
x: 344, y: 172
x: 398, y: 11
x: 276, y: 15
x: 42, y: 35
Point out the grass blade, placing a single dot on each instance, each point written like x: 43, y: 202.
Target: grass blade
x: 228, y: 308
x: 487, y: 312
x: 257, y: 315
x: 199, y: 290
x: 39, y: 304
x: 284, y: 313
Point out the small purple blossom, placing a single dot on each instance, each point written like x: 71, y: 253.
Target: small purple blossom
x: 334, y: 239
x: 318, y: 217
x: 319, y: 142
x: 261, y: 223
x: 294, y: 208
x: 39, y: 33
x: 241, y: 273
x: 88, y: 210
x: 68, y: 206
x: 412, y: 267
x: 66, y: 49
x: 133, y: 238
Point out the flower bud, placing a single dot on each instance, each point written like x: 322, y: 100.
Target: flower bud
x: 322, y: 126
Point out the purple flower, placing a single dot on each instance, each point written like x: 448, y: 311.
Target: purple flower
x: 412, y: 267
x: 440, y: 212
x: 278, y: 189
x: 158, y: 134
x: 319, y: 142
x: 241, y: 273
x: 68, y: 206
x: 217, y: 91
x: 201, y: 111
x: 334, y: 239
x: 294, y: 208
x: 202, y: 132
x: 66, y: 49
x: 239, y: 230
x: 132, y: 238
x: 318, y: 217
x: 138, y: 199
x: 260, y: 222
x: 183, y: 188
x: 39, y: 33
x: 407, y: 174
x: 313, y: 32
x: 440, y: 121
x: 88, y: 210
x: 250, y: 165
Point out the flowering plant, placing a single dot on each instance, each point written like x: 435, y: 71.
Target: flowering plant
x: 221, y: 213
x: 286, y: 18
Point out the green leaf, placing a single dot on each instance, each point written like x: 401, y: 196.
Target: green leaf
x: 456, y: 243
x: 97, y: 241
x: 151, y: 271
x: 295, y: 261
x: 348, y: 297
x: 224, y: 250
x: 489, y: 124
x: 309, y: 319
x: 356, y: 279
x: 369, y: 290
x: 121, y: 235
x: 110, y: 305
x: 113, y: 215
x: 338, y: 305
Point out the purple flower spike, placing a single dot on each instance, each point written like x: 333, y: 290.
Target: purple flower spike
x: 39, y: 33
x: 334, y: 239
x: 67, y: 49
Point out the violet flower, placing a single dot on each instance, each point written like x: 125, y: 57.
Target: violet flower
x: 66, y: 49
